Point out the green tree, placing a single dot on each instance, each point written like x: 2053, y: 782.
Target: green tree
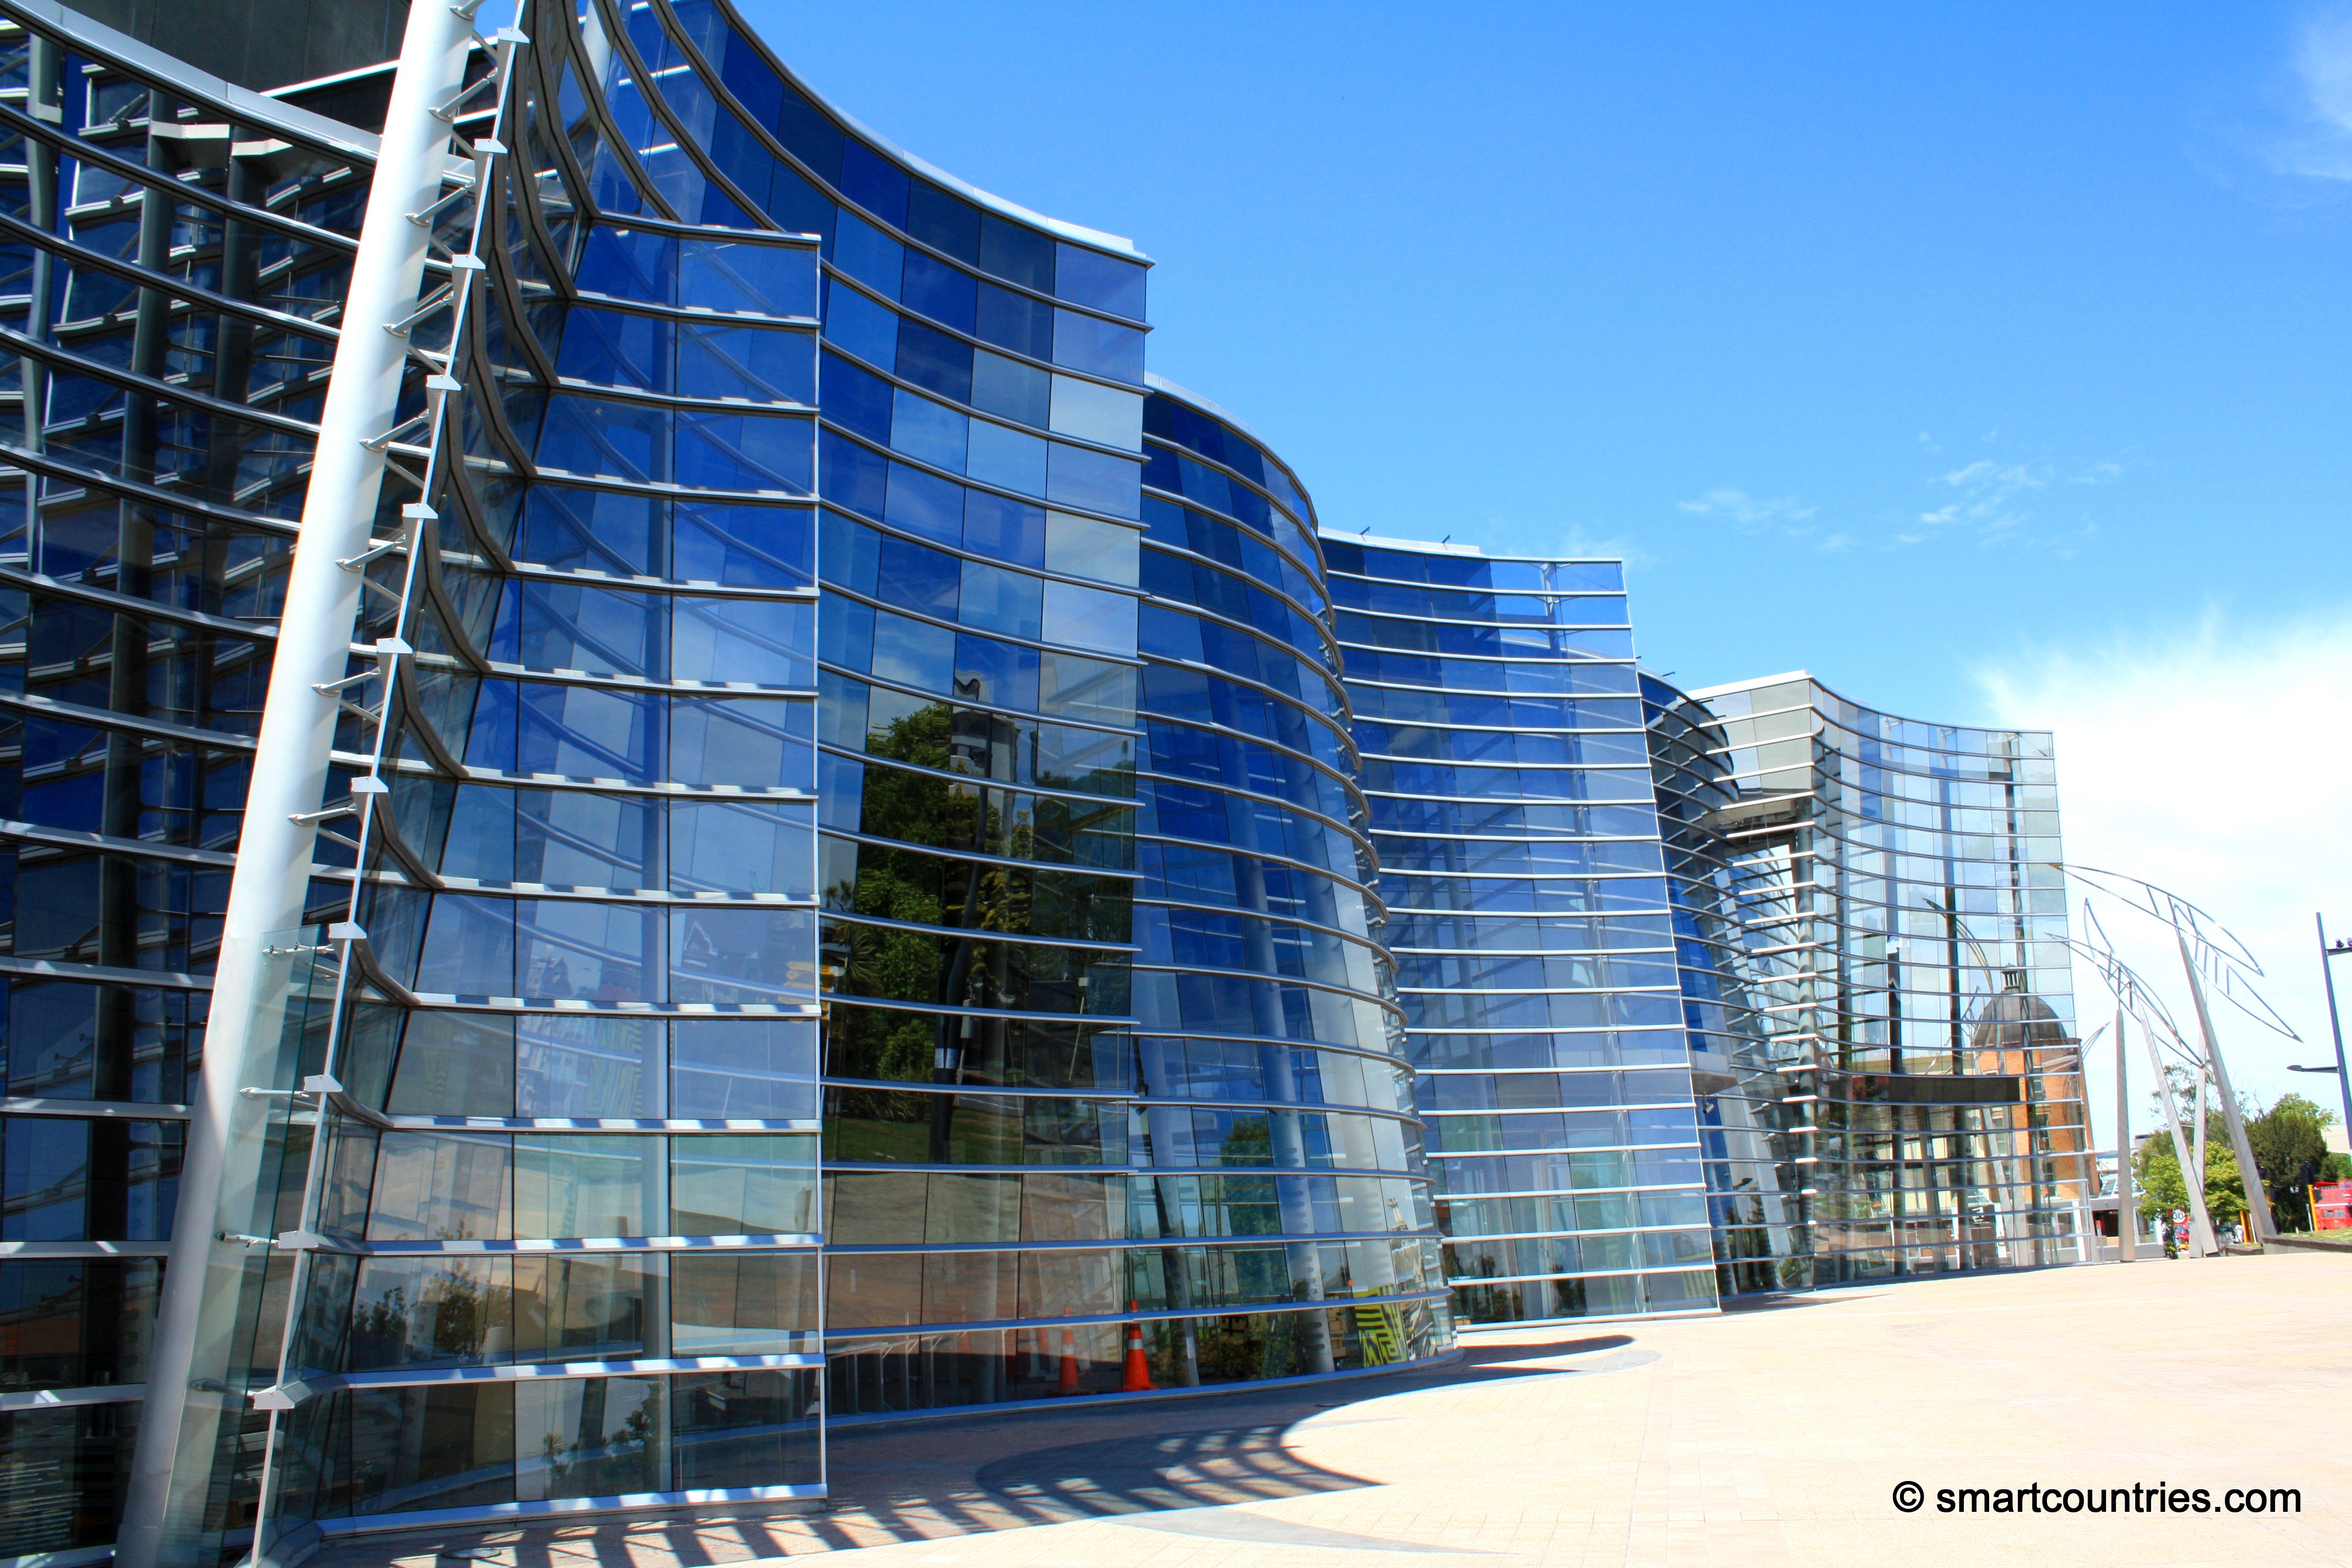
x: 2290, y: 1147
x: 2162, y: 1191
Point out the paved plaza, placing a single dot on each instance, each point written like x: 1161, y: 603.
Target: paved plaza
x: 1775, y: 1436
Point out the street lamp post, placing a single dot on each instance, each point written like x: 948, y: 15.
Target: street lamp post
x: 2334, y: 1024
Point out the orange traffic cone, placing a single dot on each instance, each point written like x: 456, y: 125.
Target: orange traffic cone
x: 1069, y: 1383
x: 1139, y: 1368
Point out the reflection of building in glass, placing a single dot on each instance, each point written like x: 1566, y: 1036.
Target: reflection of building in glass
x: 845, y: 882
x: 759, y: 769
x: 1278, y: 1100
x: 1500, y: 719
x: 1894, y: 923
x: 1741, y: 1053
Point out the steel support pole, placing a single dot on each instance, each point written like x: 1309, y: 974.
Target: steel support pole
x: 2200, y: 1224
x: 2260, y: 1225
x: 191, y: 1389
x: 2127, y: 1210
x: 2334, y: 1025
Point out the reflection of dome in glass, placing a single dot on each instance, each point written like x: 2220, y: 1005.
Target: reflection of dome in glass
x: 2017, y: 1020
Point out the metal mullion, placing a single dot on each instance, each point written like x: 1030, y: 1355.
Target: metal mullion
x: 592, y: 92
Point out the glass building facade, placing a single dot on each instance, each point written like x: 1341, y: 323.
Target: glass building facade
x: 782, y: 949
x: 1498, y: 714
x: 876, y: 860
x: 1876, y: 924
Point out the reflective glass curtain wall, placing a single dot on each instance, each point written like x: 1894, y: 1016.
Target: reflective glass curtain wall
x: 173, y: 250
x: 1278, y: 1127
x: 568, y: 1215
x: 1901, y: 917
x: 1500, y: 723
x: 1745, y: 1057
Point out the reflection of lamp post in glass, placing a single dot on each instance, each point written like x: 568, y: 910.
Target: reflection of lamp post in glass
x: 2327, y: 973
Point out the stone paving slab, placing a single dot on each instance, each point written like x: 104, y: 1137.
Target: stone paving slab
x: 1771, y: 1436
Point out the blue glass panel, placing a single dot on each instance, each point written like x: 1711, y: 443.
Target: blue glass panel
x: 1013, y: 459
x: 944, y: 222
x: 845, y: 630
x: 928, y: 432
x: 768, y: 642
x: 573, y: 838
x: 935, y: 361
x: 745, y: 452
x: 760, y: 364
x: 857, y: 401
x: 605, y: 530
x: 743, y: 1068
x: 746, y: 276
x: 596, y: 436
x: 865, y: 327
x: 615, y: 348
x: 925, y: 504
x: 580, y: 731
x: 756, y: 742
x: 917, y: 578
x: 852, y: 551
x: 1009, y: 387
x: 1092, y: 344
x: 855, y: 477
x: 1015, y: 322
x: 874, y: 183
x: 1090, y: 278
x: 1017, y: 253
x: 943, y: 293
x: 913, y: 653
x: 1002, y: 675
x: 743, y: 847
x: 1003, y: 530
x: 993, y: 599
x: 740, y: 69
x: 868, y: 255
x: 469, y: 947
x: 738, y: 955
x: 743, y: 546
x: 1096, y: 480
x: 568, y: 948
x: 810, y: 134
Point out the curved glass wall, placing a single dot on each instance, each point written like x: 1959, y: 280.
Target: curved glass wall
x: 562, y: 1252
x: 1284, y: 1155
x: 172, y: 248
x: 1903, y: 922
x: 1745, y: 1059
x: 1500, y: 719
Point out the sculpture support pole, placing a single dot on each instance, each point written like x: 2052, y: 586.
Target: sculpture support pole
x: 2126, y: 1211
x: 2260, y: 1225
x: 2201, y: 1225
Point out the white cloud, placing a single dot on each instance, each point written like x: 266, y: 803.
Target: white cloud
x: 2214, y: 761
x: 2320, y: 145
x: 1988, y: 491
x: 1749, y: 511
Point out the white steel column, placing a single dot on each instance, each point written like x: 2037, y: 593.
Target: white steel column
x: 186, y: 1402
x: 2127, y: 1210
x: 2201, y: 1225
x: 2260, y: 1225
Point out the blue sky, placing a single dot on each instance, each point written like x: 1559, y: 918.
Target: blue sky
x: 1885, y: 341
x: 1991, y: 362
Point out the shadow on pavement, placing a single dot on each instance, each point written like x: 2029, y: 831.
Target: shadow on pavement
x: 930, y: 1480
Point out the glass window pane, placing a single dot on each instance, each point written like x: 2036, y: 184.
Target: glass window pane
x: 1083, y: 547
x: 1090, y: 278
x: 743, y: 847
x: 1093, y: 411
x: 743, y: 1068
x: 759, y: 1184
